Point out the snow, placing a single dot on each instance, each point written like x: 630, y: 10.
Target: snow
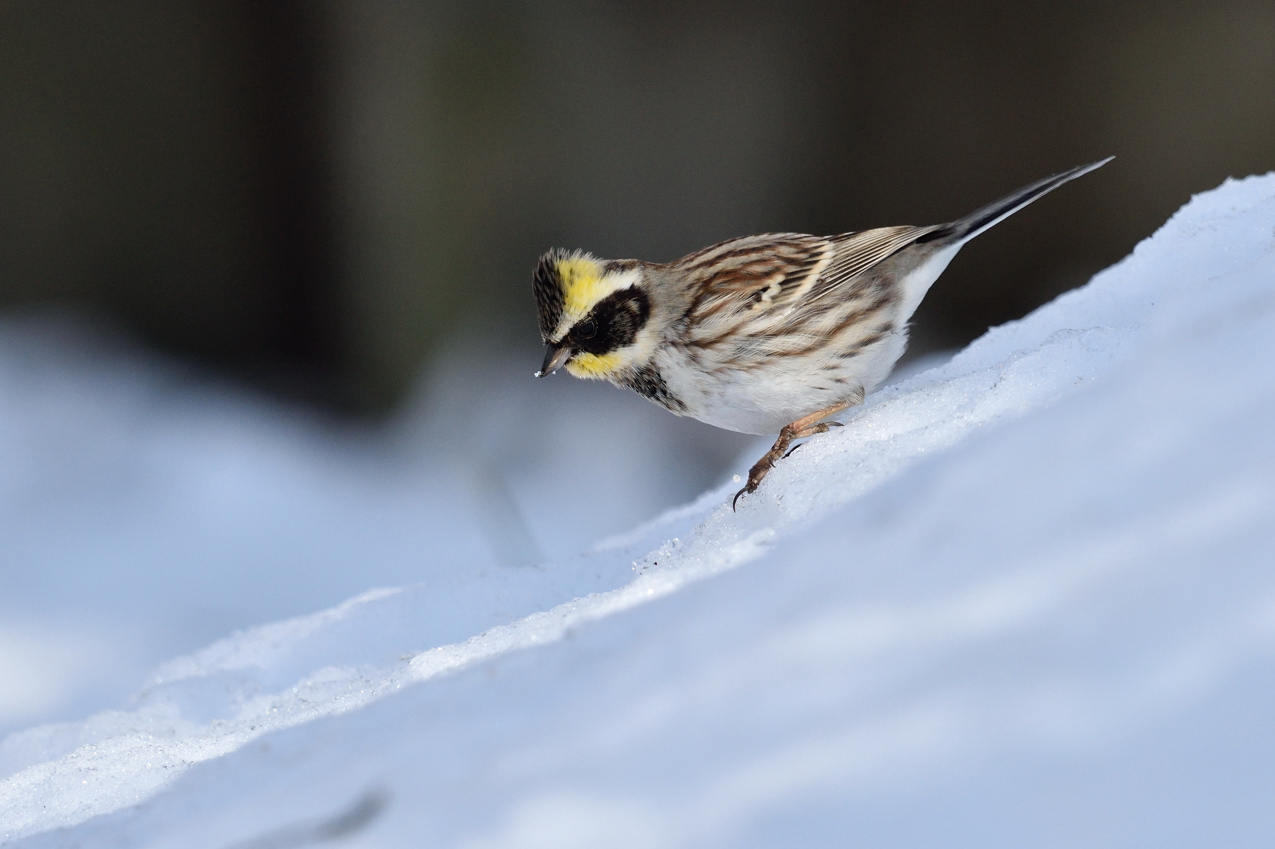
x: 1023, y: 598
x: 146, y: 513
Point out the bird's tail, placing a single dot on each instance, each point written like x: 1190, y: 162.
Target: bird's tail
x: 966, y: 228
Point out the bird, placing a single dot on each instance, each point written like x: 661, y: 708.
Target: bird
x: 763, y: 334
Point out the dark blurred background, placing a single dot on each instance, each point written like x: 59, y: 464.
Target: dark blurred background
x: 318, y: 196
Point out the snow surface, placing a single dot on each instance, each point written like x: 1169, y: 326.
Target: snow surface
x: 146, y: 513
x: 1025, y: 598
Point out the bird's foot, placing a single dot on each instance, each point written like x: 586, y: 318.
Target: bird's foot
x: 800, y: 429
x: 814, y: 429
x: 777, y: 452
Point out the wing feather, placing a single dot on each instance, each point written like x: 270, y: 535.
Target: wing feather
x: 756, y: 287
x: 769, y: 272
x: 858, y: 252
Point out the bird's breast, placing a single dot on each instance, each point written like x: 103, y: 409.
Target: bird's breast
x: 770, y: 393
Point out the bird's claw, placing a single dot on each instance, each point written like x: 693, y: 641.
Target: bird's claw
x: 749, y: 489
x: 755, y: 474
x: 780, y: 451
x: 822, y: 427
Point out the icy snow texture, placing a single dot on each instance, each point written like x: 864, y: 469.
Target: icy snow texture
x: 1022, y: 599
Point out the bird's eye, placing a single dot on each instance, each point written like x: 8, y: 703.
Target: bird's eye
x: 586, y: 329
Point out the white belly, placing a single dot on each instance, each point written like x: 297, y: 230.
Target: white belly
x: 765, y: 399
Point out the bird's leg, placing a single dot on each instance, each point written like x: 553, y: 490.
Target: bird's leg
x: 800, y: 429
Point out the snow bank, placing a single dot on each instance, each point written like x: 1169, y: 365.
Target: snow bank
x: 1024, y: 598
x: 146, y: 513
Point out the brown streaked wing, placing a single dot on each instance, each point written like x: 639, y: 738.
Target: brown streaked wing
x: 767, y: 272
x: 855, y: 253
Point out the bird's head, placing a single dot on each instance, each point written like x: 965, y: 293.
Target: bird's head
x: 592, y: 314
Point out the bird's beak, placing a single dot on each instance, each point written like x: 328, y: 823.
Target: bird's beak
x: 555, y: 357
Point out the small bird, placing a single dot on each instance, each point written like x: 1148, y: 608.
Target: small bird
x: 758, y: 334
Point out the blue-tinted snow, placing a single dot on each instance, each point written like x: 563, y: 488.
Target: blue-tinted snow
x: 1026, y: 598
x: 145, y: 513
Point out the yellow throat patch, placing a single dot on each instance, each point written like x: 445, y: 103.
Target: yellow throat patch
x: 593, y: 365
